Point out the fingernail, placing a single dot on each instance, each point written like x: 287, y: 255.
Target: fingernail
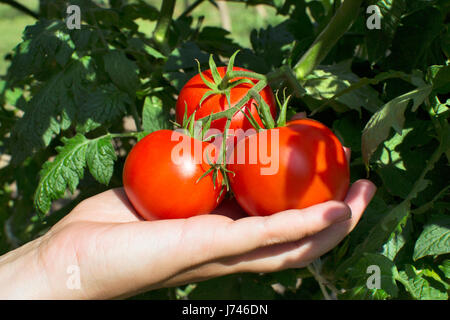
x: 341, y: 214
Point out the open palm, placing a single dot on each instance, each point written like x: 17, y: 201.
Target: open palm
x: 119, y: 255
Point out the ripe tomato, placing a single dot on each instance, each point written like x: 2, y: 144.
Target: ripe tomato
x: 160, y: 178
x: 308, y: 166
x: 193, y: 91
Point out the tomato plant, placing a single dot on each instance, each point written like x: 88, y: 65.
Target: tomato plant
x: 164, y: 181
x: 307, y: 166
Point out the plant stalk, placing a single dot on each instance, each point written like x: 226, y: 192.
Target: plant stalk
x: 336, y: 28
x: 163, y: 24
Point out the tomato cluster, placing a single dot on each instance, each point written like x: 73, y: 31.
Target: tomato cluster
x: 169, y: 174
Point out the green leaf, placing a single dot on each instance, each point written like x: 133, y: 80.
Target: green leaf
x: 397, y: 240
x: 378, y: 235
x: 359, y: 274
x: 378, y: 41
x: 141, y: 9
x: 216, y: 40
x: 412, y: 46
x: 428, y: 271
x: 139, y: 44
x: 362, y: 82
x: 391, y: 115
x: 361, y: 293
x: 100, y: 157
x: 102, y: 107
x: 421, y: 287
x: 348, y: 129
x: 273, y: 44
x: 63, y: 172
x: 446, y: 43
x: 401, y: 161
x: 434, y: 239
x: 122, y: 71
x: 184, y: 57
x: 327, y: 81
x: 154, y: 116
x: 52, y: 109
x: 43, y: 42
x: 83, y: 38
x: 11, y: 96
x: 445, y: 268
x: 66, y: 170
x: 441, y: 79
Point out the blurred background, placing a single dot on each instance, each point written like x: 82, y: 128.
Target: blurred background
x: 235, y: 17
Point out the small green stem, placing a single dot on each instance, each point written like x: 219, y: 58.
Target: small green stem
x: 163, y: 24
x: 246, y: 74
x: 21, y: 8
x: 319, y: 280
x: 122, y: 135
x: 429, y: 205
x: 190, y: 8
x: 339, y: 24
x: 231, y: 111
x: 223, y: 85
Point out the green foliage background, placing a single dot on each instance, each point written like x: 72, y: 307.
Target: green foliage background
x: 74, y: 101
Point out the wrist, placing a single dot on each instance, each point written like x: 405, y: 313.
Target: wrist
x: 21, y: 276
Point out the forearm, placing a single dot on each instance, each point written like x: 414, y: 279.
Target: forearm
x: 21, y: 276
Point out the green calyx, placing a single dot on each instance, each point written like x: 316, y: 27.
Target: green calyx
x: 265, y: 114
x: 281, y: 120
x: 195, y: 128
x: 223, y: 85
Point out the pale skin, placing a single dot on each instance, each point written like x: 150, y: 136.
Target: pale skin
x: 119, y: 255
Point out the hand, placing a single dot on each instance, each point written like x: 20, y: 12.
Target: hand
x: 120, y: 255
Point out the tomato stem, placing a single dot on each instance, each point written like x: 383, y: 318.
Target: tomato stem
x: 336, y: 28
x: 160, y: 35
x: 231, y: 111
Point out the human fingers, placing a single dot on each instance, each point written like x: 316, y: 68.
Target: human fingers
x: 307, y: 249
x: 348, y: 153
x: 286, y: 255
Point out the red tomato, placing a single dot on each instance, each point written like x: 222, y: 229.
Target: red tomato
x: 308, y: 166
x: 195, y: 88
x: 160, y: 179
